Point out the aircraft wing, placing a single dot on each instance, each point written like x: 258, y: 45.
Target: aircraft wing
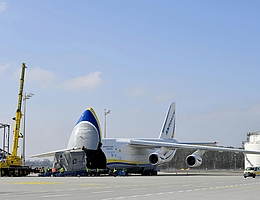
x: 51, y: 153
x: 176, y: 145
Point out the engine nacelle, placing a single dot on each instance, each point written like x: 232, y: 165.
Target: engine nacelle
x: 157, y: 158
x: 154, y: 159
x: 193, y: 160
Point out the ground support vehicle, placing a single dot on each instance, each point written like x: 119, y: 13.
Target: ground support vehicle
x: 15, y: 171
x: 252, y: 172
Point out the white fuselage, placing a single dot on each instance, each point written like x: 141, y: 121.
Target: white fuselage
x: 120, y: 154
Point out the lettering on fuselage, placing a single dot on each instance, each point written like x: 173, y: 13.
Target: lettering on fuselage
x: 109, y: 148
x: 169, y: 125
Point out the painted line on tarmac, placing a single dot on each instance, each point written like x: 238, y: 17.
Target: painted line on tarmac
x: 55, y: 195
x: 147, y: 195
x: 100, y: 192
x: 134, y: 196
x: 138, y: 189
x: 182, y: 191
x: 37, y: 183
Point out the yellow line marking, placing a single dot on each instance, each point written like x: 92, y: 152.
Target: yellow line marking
x: 36, y: 183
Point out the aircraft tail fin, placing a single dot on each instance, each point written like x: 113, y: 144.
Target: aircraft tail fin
x: 168, y: 128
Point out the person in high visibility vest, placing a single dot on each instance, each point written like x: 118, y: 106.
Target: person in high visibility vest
x: 97, y: 172
x: 61, y: 170
x: 48, y: 169
x: 87, y: 171
x: 124, y: 171
x: 115, y: 172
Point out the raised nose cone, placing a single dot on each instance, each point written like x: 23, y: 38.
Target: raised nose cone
x: 89, y: 115
x: 86, y: 132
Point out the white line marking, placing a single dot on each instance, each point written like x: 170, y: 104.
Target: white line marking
x: 146, y: 195
x: 120, y: 198
x: 159, y: 193
x: 135, y: 196
x: 56, y: 195
x: 99, y: 192
x: 139, y: 189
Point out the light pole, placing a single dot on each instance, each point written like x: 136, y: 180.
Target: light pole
x: 105, y: 126
x: 26, y: 96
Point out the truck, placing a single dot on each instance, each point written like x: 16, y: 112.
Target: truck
x: 11, y: 164
x: 252, y: 171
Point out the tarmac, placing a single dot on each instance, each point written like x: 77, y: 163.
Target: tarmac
x: 180, y: 185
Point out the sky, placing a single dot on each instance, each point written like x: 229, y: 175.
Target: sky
x: 133, y: 58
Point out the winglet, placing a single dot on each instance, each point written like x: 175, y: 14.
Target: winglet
x: 168, y: 128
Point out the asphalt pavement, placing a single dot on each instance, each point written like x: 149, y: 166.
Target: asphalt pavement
x: 195, y: 186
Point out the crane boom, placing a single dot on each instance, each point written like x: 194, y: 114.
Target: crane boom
x: 18, y: 115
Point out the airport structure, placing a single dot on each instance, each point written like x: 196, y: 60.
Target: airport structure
x: 252, y: 143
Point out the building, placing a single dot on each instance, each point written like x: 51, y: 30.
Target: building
x: 252, y: 143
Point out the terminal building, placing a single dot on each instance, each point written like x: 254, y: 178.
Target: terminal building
x: 252, y: 143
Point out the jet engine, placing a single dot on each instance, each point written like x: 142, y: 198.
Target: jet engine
x: 158, y: 158
x: 193, y: 160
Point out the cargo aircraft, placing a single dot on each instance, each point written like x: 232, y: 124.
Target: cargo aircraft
x: 142, y: 155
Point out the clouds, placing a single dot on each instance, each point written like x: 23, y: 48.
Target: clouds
x: 90, y: 81
x: 44, y: 78
x: 3, y: 6
x: 141, y: 92
x: 163, y: 97
x: 137, y: 92
x: 3, y: 68
x: 47, y: 79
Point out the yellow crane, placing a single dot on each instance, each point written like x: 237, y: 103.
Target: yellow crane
x: 12, y: 165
